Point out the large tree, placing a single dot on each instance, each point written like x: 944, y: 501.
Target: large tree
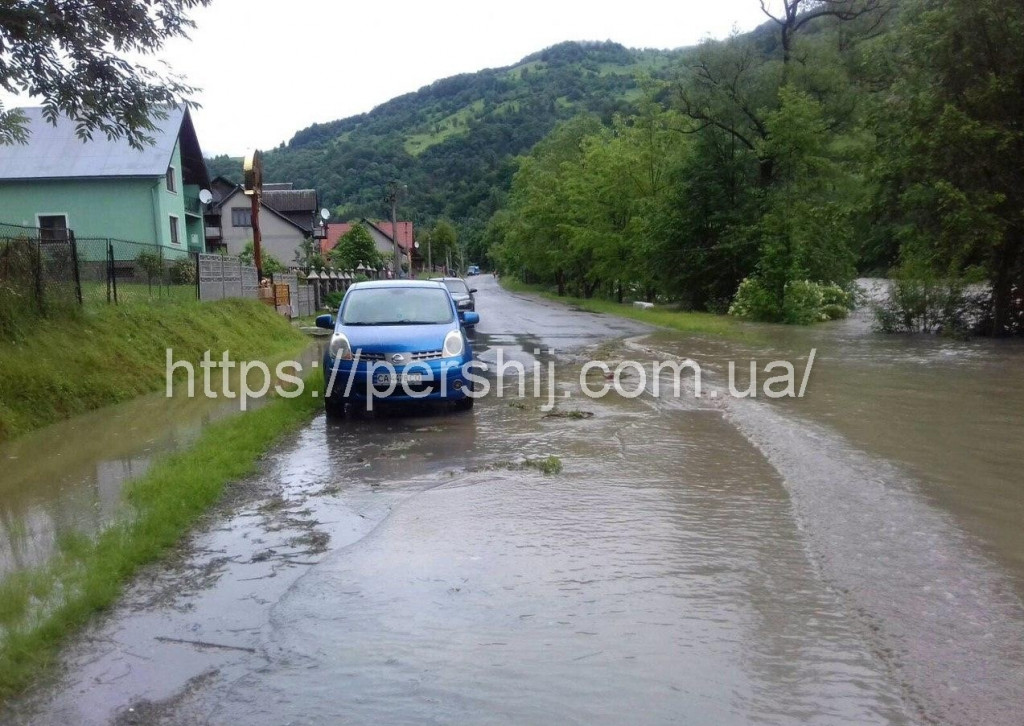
x: 443, y: 242
x: 75, y: 55
x: 958, y: 106
x: 356, y: 247
x: 792, y: 15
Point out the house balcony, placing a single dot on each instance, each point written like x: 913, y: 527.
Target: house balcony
x: 192, y: 205
x: 212, y: 232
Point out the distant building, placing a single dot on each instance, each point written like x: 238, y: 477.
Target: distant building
x: 381, y: 234
x: 288, y: 217
x: 105, y: 188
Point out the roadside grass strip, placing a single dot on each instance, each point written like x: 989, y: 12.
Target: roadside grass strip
x: 102, y: 355
x: 40, y: 608
x: 698, y: 323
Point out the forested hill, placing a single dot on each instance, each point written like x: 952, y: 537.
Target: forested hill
x: 453, y: 142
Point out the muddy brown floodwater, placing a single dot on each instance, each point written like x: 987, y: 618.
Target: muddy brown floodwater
x: 69, y: 477
x: 856, y: 556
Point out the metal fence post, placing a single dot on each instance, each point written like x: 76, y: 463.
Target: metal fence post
x: 113, y: 273
x: 38, y: 270
x: 74, y: 264
x: 108, y: 276
x: 199, y: 293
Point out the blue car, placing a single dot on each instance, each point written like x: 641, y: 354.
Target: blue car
x: 397, y: 340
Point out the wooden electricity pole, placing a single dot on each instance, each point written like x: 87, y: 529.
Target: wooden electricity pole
x: 252, y: 171
x: 391, y: 196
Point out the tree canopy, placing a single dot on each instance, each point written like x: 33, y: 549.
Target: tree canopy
x: 842, y: 137
x: 355, y: 247
x: 73, y: 55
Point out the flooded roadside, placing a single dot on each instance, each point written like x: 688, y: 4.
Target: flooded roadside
x: 68, y: 477
x: 948, y: 414
x: 902, y: 464
x: 702, y: 561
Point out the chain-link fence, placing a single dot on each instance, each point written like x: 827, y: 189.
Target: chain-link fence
x: 45, y: 270
x: 38, y: 275
x: 118, y: 271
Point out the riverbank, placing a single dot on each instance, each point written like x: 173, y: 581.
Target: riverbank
x: 40, y: 608
x: 108, y: 354
x: 683, y: 321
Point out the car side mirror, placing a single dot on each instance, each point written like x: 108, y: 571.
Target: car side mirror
x: 472, y: 290
x: 325, y: 321
x: 470, y: 318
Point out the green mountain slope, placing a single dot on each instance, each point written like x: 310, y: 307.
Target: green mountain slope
x: 453, y: 142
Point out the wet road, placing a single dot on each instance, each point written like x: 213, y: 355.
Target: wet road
x: 695, y: 561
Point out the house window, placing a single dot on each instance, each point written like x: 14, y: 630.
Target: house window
x: 241, y: 216
x: 175, y: 240
x: 171, y: 182
x: 53, y: 227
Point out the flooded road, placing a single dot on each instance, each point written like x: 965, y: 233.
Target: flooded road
x: 851, y: 557
x: 68, y: 477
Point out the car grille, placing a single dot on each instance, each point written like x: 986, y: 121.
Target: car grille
x: 410, y: 357
x: 363, y: 355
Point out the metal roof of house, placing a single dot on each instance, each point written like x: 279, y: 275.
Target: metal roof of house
x: 56, y: 151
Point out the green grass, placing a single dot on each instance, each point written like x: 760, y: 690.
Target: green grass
x: 40, y: 608
x: 550, y: 465
x: 104, y: 354
x: 687, y: 322
x: 440, y: 129
x: 132, y: 292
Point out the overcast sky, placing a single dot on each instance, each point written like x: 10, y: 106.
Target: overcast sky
x: 268, y: 69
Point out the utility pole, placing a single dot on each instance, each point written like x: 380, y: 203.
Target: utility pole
x: 394, y: 188
x: 252, y: 171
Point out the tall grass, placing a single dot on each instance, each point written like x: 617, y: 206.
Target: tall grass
x: 105, y: 354
x: 40, y: 608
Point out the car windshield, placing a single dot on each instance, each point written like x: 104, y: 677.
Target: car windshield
x: 396, y: 306
x: 457, y: 286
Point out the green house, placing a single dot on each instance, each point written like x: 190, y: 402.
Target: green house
x: 103, y: 188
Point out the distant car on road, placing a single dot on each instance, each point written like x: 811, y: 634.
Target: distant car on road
x: 461, y: 292
x: 472, y: 270
x: 397, y: 340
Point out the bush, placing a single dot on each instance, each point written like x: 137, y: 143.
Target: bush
x: 183, y: 271
x: 931, y: 305
x: 754, y: 301
x: 804, y: 302
x: 332, y: 300
x: 151, y: 264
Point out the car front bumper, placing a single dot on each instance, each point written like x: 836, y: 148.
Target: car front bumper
x: 442, y: 379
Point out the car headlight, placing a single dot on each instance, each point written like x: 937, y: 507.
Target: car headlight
x: 340, y: 347
x: 454, y: 345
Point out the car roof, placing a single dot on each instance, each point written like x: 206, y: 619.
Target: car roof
x: 395, y: 283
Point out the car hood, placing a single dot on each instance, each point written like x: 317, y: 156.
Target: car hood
x: 396, y: 338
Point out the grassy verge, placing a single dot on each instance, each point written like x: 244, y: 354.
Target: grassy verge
x: 687, y: 322
x: 105, y: 354
x: 40, y: 608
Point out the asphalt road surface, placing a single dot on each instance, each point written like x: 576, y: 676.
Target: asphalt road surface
x: 693, y: 561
